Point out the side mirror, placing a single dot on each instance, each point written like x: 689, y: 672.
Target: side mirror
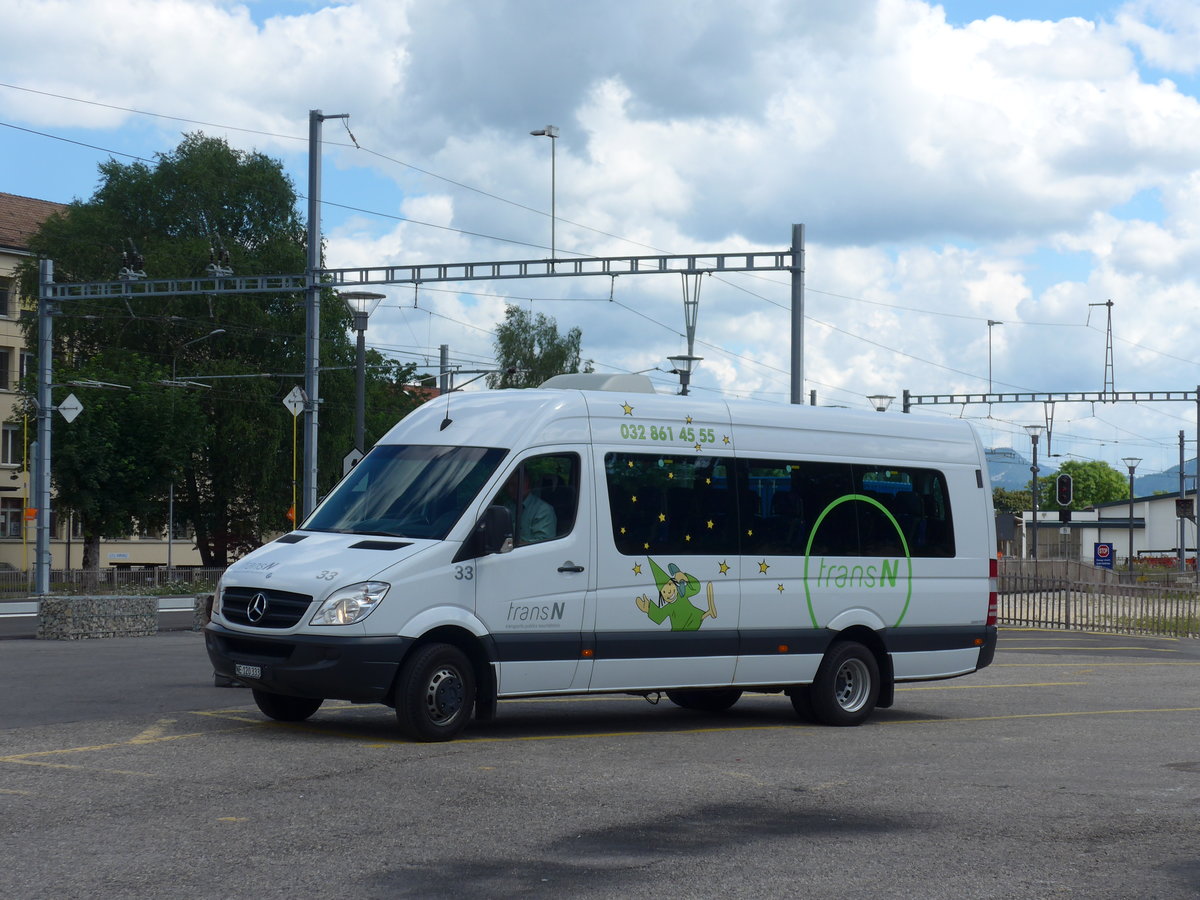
x: 495, y: 530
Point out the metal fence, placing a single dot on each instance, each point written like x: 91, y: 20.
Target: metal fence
x: 150, y: 581
x: 1041, y: 602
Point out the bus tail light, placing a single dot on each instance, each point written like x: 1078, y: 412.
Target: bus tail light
x: 993, y: 599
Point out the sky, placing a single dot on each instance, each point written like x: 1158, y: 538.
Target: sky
x: 953, y: 164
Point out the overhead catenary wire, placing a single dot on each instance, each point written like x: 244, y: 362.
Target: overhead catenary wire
x: 845, y: 332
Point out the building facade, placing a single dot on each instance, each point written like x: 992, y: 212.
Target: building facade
x: 1149, y: 529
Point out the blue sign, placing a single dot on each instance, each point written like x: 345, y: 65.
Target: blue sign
x: 1102, y: 555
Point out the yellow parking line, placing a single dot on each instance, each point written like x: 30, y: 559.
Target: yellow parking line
x: 1094, y: 649
x: 32, y: 758
x: 1065, y: 665
x: 1057, y: 715
x: 1058, y: 632
x: 987, y: 687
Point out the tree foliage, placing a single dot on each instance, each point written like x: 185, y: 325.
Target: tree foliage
x: 1093, y: 482
x: 1008, y: 501
x: 226, y: 451
x: 529, y: 349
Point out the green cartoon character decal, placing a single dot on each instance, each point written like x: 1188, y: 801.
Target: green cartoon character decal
x: 675, y: 590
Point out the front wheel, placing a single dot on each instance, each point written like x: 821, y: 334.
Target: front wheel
x: 435, y: 692
x: 705, y: 700
x: 847, y: 685
x: 283, y: 708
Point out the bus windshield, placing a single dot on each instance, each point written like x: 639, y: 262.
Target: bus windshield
x: 407, y: 491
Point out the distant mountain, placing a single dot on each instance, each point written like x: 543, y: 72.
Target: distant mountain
x: 1010, y: 469
x: 1164, y: 482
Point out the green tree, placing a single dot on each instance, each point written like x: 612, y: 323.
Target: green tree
x: 1092, y: 482
x: 227, y: 451
x: 529, y: 349
x: 1011, y: 501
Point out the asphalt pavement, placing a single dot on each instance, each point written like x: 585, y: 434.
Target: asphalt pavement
x: 1070, y: 767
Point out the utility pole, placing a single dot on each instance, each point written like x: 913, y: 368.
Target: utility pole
x: 797, y: 270
x: 312, y: 313
x: 45, y: 409
x: 1110, y: 388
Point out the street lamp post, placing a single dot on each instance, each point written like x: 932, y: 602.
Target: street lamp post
x: 990, y: 322
x: 1035, y: 432
x: 171, y: 489
x: 361, y: 304
x: 550, y: 131
x: 1131, y: 463
x: 684, y: 364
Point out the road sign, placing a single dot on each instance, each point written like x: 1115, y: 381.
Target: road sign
x: 351, y: 460
x: 1102, y: 555
x: 294, y: 401
x: 70, y: 408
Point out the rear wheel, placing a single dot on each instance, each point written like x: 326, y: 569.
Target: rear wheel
x: 847, y: 685
x: 284, y: 708
x: 710, y: 700
x: 435, y: 693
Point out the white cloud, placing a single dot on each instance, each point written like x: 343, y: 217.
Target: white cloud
x: 938, y: 169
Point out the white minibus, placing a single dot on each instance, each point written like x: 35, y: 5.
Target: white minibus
x: 592, y: 536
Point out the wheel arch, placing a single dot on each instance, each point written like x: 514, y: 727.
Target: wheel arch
x: 481, y: 654
x: 872, y: 640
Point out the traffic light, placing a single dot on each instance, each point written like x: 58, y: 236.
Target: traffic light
x: 1064, y: 490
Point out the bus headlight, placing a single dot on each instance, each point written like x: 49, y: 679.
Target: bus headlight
x: 351, y: 604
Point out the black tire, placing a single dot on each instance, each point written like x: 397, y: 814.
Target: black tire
x: 706, y: 700
x: 435, y: 693
x: 284, y: 708
x: 801, y: 697
x: 847, y: 685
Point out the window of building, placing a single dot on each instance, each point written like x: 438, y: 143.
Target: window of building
x: 12, y: 515
x: 5, y: 374
x: 6, y: 296
x: 12, y: 445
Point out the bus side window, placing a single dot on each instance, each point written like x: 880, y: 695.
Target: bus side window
x: 543, y: 494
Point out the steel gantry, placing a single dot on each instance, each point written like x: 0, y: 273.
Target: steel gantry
x: 52, y: 296
x: 1108, y: 395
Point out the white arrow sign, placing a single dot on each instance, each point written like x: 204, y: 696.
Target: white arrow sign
x: 70, y: 408
x: 294, y: 401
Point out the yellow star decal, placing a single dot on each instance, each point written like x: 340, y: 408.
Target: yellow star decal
x: 724, y: 567
x: 629, y: 464
x: 646, y: 546
x: 710, y: 525
x: 698, y: 448
x: 622, y: 529
x: 633, y: 499
x: 762, y: 567
x: 687, y: 538
x: 670, y: 476
x: 662, y: 517
x: 725, y: 438
x: 779, y: 587
x: 637, y: 568
x: 628, y: 409
x: 749, y: 532
x: 687, y: 420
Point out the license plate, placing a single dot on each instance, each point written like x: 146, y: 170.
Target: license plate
x: 243, y: 671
